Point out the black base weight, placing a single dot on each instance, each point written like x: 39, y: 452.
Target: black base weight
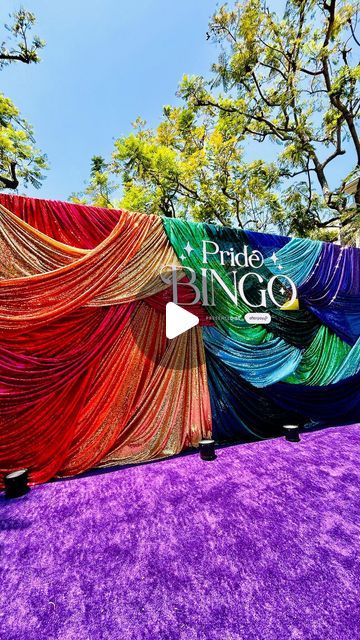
x: 291, y: 432
x: 16, y: 483
x: 207, y: 450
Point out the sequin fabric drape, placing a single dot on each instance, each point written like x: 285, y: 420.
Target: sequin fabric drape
x: 87, y: 376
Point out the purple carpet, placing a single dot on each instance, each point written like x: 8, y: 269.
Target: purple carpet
x: 262, y: 543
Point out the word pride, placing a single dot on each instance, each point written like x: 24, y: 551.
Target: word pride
x: 206, y: 281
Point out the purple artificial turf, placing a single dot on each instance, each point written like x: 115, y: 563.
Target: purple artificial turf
x: 262, y: 544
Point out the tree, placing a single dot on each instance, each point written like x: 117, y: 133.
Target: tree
x: 292, y: 81
x: 19, y: 159
x: 100, y: 186
x: 289, y: 80
x: 193, y: 166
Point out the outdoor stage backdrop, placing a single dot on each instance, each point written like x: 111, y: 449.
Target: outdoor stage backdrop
x: 87, y: 376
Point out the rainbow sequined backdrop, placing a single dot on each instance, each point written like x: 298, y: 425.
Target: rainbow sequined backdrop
x: 87, y: 376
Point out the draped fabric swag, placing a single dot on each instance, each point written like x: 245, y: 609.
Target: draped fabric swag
x: 87, y: 376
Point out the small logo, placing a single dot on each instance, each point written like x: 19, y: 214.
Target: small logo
x: 258, y: 318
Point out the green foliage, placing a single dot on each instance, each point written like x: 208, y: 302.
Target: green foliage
x: 290, y: 80
x: 100, y: 188
x: 17, y: 147
x: 18, y: 48
x: 19, y: 158
x: 190, y: 166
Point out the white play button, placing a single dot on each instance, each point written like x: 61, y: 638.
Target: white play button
x: 178, y: 320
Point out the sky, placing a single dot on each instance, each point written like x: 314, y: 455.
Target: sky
x: 104, y: 64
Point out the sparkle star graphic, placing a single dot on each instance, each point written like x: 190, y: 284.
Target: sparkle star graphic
x: 274, y: 257
x: 182, y: 257
x: 188, y: 248
x: 282, y: 290
x: 279, y: 266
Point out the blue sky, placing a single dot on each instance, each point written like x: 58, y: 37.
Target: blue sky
x: 104, y: 64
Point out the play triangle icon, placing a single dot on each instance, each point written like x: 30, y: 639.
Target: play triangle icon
x: 178, y: 320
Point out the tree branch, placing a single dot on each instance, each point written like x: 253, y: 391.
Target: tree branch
x: 353, y: 33
x: 13, y: 182
x: 338, y: 151
x: 15, y: 57
x: 334, y: 98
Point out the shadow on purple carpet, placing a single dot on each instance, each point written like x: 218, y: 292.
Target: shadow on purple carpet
x: 262, y: 543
